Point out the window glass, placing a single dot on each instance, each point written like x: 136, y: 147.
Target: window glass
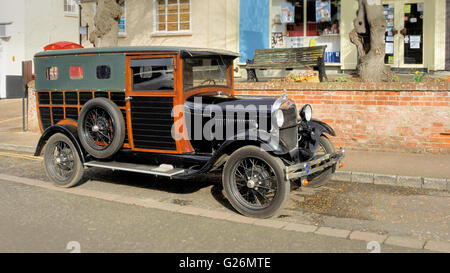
x: 76, y: 72
x: 52, y: 73
x: 103, y: 72
x: 201, y: 72
x: 70, y: 7
x: 172, y: 15
x: 152, y: 74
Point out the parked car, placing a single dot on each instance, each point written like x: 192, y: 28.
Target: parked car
x: 173, y: 112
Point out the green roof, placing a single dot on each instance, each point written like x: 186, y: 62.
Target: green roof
x: 185, y: 51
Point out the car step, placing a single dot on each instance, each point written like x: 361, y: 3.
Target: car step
x: 162, y: 170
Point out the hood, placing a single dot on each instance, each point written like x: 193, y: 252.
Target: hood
x: 248, y: 102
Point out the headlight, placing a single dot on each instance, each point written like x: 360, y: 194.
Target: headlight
x: 279, y: 117
x: 306, y: 113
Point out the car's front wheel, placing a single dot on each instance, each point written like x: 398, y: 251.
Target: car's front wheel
x: 254, y: 182
x: 320, y: 179
x: 62, y: 163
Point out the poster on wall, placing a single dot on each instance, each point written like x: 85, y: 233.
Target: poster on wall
x: 277, y: 40
x: 323, y: 11
x: 287, y: 13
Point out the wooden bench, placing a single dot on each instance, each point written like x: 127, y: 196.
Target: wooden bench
x: 287, y: 58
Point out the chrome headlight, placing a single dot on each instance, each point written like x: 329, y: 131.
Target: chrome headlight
x: 279, y: 117
x: 306, y: 113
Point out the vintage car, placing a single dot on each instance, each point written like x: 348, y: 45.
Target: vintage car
x: 173, y: 112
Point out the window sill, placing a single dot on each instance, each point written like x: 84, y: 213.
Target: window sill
x: 73, y: 15
x: 123, y: 35
x: 165, y: 34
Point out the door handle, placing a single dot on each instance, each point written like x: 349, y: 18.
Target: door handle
x: 128, y: 98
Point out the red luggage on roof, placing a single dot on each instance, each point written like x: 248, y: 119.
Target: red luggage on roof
x: 62, y: 46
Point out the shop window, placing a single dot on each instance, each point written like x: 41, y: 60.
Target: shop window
x: 103, y: 72
x: 52, y: 73
x: 152, y: 74
x: 76, y: 72
x: 172, y: 16
x: 320, y: 26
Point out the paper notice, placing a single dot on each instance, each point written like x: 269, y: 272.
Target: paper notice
x: 414, y: 45
x: 390, y: 59
x: 407, y: 8
x: 389, y: 48
x: 389, y: 38
x: 415, y: 38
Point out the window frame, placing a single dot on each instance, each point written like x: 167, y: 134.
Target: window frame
x: 70, y: 3
x: 166, y: 31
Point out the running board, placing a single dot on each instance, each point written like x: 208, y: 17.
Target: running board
x: 163, y: 170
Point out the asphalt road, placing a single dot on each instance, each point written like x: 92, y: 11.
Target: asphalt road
x: 40, y: 220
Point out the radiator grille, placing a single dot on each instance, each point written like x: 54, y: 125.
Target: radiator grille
x: 152, y: 123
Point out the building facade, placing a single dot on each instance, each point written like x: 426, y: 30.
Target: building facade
x: 26, y: 26
x: 245, y: 25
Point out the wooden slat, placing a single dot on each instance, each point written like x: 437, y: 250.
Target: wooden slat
x: 287, y: 57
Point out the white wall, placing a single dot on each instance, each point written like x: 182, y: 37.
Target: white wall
x: 46, y: 23
x: 36, y: 23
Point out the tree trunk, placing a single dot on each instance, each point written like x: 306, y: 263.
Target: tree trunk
x: 368, y: 36
x: 106, y: 23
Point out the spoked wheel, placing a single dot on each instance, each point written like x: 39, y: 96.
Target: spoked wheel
x: 254, y: 183
x: 320, y: 179
x: 98, y: 129
x: 62, y: 162
x: 101, y: 128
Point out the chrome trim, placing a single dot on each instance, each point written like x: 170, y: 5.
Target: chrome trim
x: 307, y: 168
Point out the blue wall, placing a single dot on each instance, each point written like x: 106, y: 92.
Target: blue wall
x: 253, y: 27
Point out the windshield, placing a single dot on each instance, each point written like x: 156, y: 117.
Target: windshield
x: 206, y: 71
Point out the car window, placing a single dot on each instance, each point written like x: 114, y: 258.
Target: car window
x: 52, y: 73
x: 76, y: 72
x: 152, y: 74
x: 103, y: 72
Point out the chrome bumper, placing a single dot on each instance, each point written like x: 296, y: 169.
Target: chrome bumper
x: 316, y: 165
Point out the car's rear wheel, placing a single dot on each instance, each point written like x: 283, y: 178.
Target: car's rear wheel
x: 62, y: 163
x: 254, y: 182
x: 101, y: 128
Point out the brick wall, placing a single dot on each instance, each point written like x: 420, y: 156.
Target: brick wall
x: 405, y: 117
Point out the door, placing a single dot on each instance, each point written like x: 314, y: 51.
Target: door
x: 405, y: 33
x: 253, y: 27
x: 151, y: 96
x: 2, y: 74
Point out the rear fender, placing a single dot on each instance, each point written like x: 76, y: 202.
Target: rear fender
x: 66, y: 129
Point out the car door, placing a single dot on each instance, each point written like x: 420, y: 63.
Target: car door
x: 151, y: 96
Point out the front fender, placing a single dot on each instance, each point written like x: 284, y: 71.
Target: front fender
x: 321, y: 127
x: 68, y: 130
x: 251, y: 137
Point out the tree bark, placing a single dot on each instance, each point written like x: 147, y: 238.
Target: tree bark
x: 106, y: 23
x: 368, y: 36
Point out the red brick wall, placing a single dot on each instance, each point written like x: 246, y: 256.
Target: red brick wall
x: 404, y: 117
